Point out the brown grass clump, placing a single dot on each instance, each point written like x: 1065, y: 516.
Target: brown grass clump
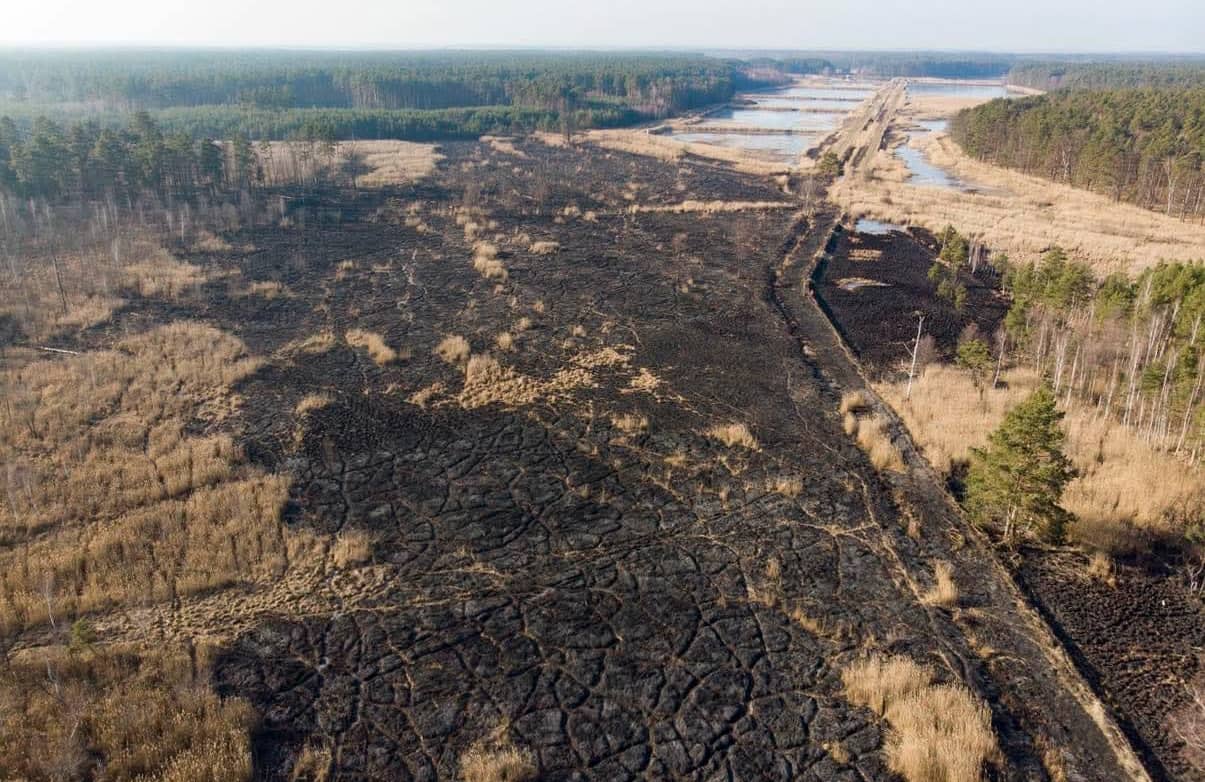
x: 877, y: 682
x: 944, y: 592
x: 733, y: 435
x: 497, y: 763
x: 485, y: 261
x: 311, y: 402
x: 504, y: 341
x: 875, y: 440
x: 630, y: 423
x: 374, y: 343
x: 787, y: 486
x: 453, y: 349
x: 162, y: 276
x: 544, y: 248
x: 853, y: 402
x: 352, y: 547
x: 939, y: 733
x: 1125, y: 488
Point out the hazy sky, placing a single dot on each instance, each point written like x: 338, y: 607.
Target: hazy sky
x: 1017, y: 25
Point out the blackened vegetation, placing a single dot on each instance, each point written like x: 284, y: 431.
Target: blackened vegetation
x: 879, y: 320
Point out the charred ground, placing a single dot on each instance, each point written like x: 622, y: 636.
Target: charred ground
x: 562, y: 549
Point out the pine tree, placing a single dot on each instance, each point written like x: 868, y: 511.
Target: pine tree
x: 1018, y: 479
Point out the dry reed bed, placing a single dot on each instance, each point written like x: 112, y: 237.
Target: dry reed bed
x: 377, y: 162
x: 1123, y: 482
x: 1021, y: 215
x: 109, y: 498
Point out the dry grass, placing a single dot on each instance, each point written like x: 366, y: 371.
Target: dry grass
x: 378, y: 163
x: 98, y: 456
x: 874, y: 438
x: 504, y: 145
x: 630, y: 423
x: 504, y: 341
x: 453, y: 349
x: 733, y: 435
x: 544, y: 247
x: 497, y: 763
x: 374, y: 344
x: 488, y: 381
x: 944, y: 592
x: 939, y: 733
x: 666, y: 148
x: 352, y: 547
x: 878, y: 682
x: 853, y: 402
x: 119, y: 713
x: 1125, y: 488
x: 115, y: 499
x: 712, y: 207
x: 311, y: 402
x: 485, y: 261
x: 787, y: 486
x: 1019, y: 214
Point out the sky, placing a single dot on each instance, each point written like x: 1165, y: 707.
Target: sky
x: 1014, y: 26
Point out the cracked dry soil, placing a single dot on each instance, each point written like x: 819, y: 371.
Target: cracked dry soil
x: 627, y: 601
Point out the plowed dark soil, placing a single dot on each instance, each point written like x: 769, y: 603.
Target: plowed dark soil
x: 625, y: 601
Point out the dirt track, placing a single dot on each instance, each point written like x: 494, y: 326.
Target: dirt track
x: 628, y: 602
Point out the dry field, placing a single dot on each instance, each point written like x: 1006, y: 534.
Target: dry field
x: 376, y: 162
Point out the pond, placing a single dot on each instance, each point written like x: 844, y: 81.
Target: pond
x: 865, y: 225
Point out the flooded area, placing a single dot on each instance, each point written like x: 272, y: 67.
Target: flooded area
x: 865, y: 225
x: 781, y: 124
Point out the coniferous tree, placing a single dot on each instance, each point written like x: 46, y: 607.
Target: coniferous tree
x: 1017, y: 480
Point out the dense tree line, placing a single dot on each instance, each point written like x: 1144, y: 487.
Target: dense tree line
x: 123, y: 80
x: 1135, y: 349
x: 85, y: 161
x: 1119, y: 74
x: 1143, y: 146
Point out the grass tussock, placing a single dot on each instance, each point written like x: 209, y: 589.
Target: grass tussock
x: 544, y: 248
x: 733, y: 435
x: 380, y: 353
x: 497, y: 762
x: 630, y: 423
x: 944, y: 592
x: 874, y: 438
x: 453, y: 349
x: 1126, y: 490
x: 938, y: 732
x: 853, y: 402
x: 352, y: 547
x: 504, y: 341
x: 485, y: 261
